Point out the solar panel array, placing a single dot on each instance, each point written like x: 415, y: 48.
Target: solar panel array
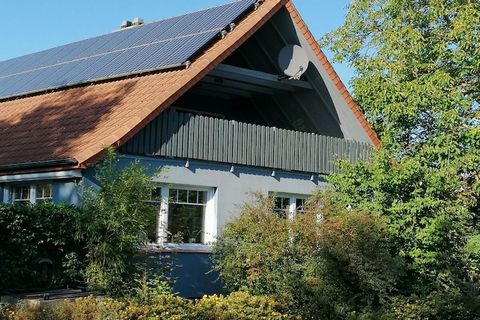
x: 154, y: 46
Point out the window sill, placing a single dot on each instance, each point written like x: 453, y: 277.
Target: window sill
x: 176, y: 248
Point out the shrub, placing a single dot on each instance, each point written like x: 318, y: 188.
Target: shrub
x: 114, y: 220
x: 170, y: 307
x: 163, y: 306
x: 237, y: 306
x: 29, y: 233
x: 329, y: 268
x: 436, y: 305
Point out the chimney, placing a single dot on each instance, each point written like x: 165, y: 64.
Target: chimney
x: 126, y: 24
x: 137, y: 21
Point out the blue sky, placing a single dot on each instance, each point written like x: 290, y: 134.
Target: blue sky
x: 33, y: 25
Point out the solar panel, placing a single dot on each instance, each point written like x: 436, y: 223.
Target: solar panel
x: 148, y: 47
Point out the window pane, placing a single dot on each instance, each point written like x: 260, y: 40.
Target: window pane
x: 156, y: 194
x: 186, y: 222
x: 192, y: 196
x: 39, y: 191
x: 47, y: 191
x: 202, y: 197
x: 43, y: 193
x: 22, y: 193
x: 300, y: 205
x: 172, y: 195
x: 282, y: 203
x: 281, y: 206
x: 182, y: 196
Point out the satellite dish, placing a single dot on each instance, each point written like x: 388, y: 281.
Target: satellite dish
x: 293, y: 61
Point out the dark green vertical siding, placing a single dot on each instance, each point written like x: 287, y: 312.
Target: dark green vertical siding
x: 188, y: 136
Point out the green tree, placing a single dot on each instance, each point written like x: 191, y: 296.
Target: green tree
x: 417, y: 66
x: 114, y: 221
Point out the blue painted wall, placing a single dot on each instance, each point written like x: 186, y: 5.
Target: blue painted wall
x: 67, y: 192
x: 193, y: 272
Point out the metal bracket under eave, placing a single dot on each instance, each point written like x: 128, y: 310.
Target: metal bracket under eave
x: 257, y: 4
x: 187, y: 64
x: 223, y: 33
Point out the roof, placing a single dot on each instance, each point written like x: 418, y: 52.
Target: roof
x: 80, y: 122
x: 154, y: 46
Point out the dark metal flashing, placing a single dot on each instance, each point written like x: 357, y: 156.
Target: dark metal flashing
x: 38, y: 164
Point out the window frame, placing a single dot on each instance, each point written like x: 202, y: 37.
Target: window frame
x: 209, y: 223
x: 292, y: 209
x: 10, y: 195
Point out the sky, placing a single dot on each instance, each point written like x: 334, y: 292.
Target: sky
x: 33, y: 25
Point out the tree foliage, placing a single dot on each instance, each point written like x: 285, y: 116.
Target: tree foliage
x: 417, y: 66
x: 417, y: 77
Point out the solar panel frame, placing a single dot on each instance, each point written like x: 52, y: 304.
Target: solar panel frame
x: 154, y: 46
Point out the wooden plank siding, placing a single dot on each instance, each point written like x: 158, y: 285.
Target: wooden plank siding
x: 188, y: 136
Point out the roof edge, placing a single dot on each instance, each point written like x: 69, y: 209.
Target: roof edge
x: 38, y: 164
x: 295, y: 15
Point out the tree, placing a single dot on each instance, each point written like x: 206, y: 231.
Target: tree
x: 417, y: 66
x: 114, y: 221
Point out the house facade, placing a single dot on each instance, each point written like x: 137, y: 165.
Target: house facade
x: 201, y: 96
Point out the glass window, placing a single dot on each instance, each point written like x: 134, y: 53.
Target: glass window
x: 156, y: 195
x: 183, y: 216
x: 43, y: 193
x: 300, y: 205
x: 281, y: 206
x: 21, y: 194
x: 34, y: 193
x: 186, y: 211
x: 287, y: 206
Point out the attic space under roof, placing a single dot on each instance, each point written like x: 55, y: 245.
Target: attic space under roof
x: 245, y: 87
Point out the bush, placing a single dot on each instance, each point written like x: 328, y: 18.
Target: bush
x: 114, y: 220
x: 437, y: 305
x: 237, y: 306
x: 32, y: 233
x: 330, y: 268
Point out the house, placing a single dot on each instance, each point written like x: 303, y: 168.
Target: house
x: 201, y: 94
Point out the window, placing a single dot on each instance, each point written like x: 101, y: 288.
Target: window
x: 186, y: 214
x: 33, y: 193
x: 300, y: 205
x: 289, y: 205
x: 282, y: 206
x: 20, y: 194
x: 43, y: 193
x: 186, y: 211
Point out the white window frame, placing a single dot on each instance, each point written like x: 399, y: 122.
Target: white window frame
x: 8, y: 190
x: 292, y: 207
x: 209, y: 232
